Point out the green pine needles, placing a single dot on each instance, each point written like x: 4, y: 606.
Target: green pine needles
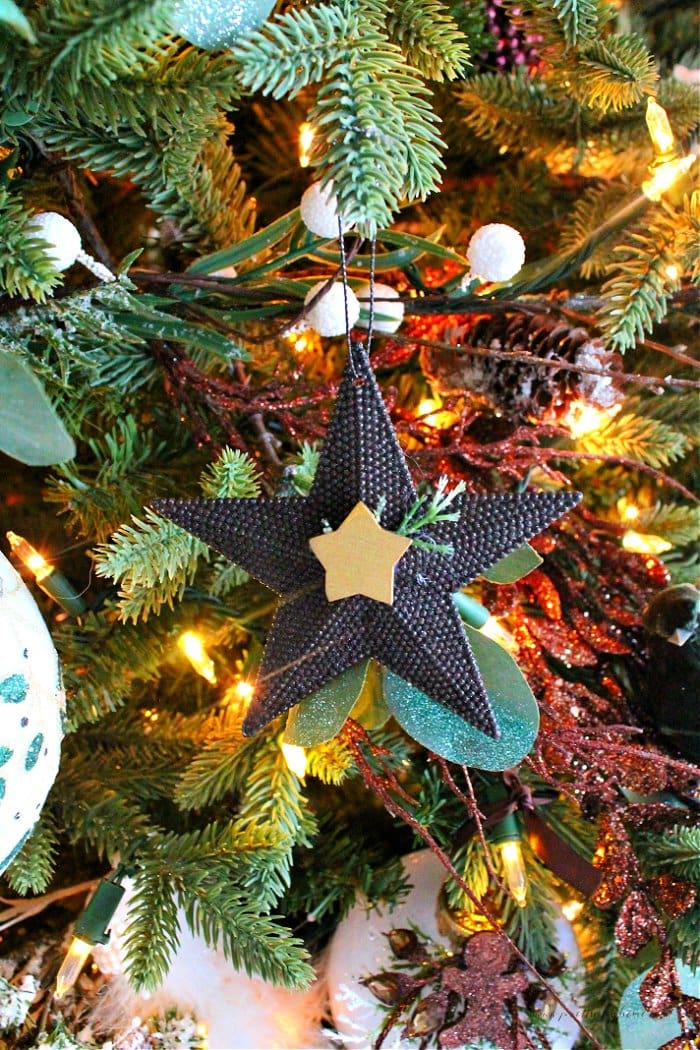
x: 135, y: 555
x: 376, y: 131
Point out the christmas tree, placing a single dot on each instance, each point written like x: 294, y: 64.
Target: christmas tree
x: 348, y: 425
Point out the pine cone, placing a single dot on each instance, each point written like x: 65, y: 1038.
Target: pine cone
x: 520, y: 390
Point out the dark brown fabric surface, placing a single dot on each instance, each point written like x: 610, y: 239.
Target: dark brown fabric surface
x: 420, y: 637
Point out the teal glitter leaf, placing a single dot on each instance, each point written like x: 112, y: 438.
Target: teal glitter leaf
x: 446, y: 734
x: 6, y: 754
x: 320, y: 716
x: 514, y: 566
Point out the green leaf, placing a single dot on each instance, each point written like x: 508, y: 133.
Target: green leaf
x: 10, y: 15
x: 424, y: 244
x: 514, y: 566
x: 409, y: 248
x: 250, y: 247
x: 371, y: 709
x: 320, y: 716
x: 153, y: 326
x: 445, y: 733
x: 30, y: 430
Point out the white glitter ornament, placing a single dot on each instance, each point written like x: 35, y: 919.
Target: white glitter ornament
x: 496, y: 252
x: 239, y: 1012
x: 327, y: 316
x: 211, y: 24
x: 62, y: 236
x: 319, y: 210
x: 387, y: 315
x: 359, y: 948
x: 32, y: 705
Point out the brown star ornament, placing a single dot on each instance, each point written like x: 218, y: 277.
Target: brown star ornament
x: 402, y: 615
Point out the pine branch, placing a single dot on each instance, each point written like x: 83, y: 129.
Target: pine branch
x: 297, y: 48
x: 32, y: 869
x: 25, y: 267
x: 331, y: 763
x: 635, y: 437
x: 200, y: 873
x: 349, y: 865
x: 89, y: 39
x: 607, y: 975
x: 152, y: 934
x: 677, y: 523
x: 636, y: 296
x: 220, y: 768
x: 187, y: 173
x: 428, y: 36
x: 677, y: 851
x: 572, y: 22
x: 97, y: 496
x: 614, y: 74
x: 515, y: 109
x: 156, y: 560
x: 118, y: 661
x: 590, y: 211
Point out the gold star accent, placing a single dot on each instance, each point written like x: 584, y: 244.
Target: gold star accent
x: 360, y: 557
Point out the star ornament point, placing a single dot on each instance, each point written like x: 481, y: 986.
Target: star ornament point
x: 360, y: 557
x: 334, y: 611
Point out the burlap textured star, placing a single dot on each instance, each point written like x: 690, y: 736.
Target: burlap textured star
x: 420, y: 636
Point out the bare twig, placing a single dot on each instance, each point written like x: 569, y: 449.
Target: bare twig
x: 22, y: 908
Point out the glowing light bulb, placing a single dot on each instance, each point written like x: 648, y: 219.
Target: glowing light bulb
x: 511, y: 855
x: 630, y: 512
x: 71, y: 966
x: 431, y: 411
x: 672, y: 272
x: 665, y: 175
x: 429, y: 406
x: 660, y: 133
x: 306, y: 141
x: 495, y: 630
x: 295, y: 757
x: 202, y: 1035
x: 572, y: 909
x: 244, y: 690
x: 583, y: 418
x: 48, y: 578
x: 29, y: 556
x: 193, y: 648
x: 639, y: 543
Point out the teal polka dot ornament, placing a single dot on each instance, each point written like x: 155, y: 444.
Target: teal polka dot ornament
x: 32, y: 709
x: 212, y: 24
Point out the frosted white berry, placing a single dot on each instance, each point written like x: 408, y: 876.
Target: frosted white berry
x: 62, y: 236
x: 327, y: 316
x: 319, y: 210
x: 496, y: 252
x: 387, y: 315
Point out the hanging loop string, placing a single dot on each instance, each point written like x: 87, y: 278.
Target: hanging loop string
x: 372, y: 264
x: 344, y: 273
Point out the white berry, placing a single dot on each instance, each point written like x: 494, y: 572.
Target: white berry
x: 319, y: 210
x: 327, y: 316
x: 60, y: 234
x: 387, y: 315
x: 496, y: 252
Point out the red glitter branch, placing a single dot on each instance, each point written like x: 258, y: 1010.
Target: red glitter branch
x: 386, y: 788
